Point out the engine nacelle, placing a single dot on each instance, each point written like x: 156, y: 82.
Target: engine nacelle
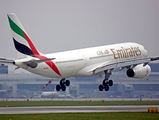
x: 139, y: 71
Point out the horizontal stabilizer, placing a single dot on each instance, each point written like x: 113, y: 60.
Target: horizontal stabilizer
x: 4, y: 60
x: 33, y: 63
x: 43, y: 60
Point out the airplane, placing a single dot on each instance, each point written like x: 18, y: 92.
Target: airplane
x: 56, y: 94
x: 85, y: 62
x: 48, y: 94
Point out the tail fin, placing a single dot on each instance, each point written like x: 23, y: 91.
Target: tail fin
x: 22, y: 42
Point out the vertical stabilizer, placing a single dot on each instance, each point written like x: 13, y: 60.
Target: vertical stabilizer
x: 21, y: 40
x: 23, y: 44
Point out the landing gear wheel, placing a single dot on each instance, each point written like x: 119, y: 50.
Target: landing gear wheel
x: 106, y: 87
x: 110, y: 82
x: 58, y: 87
x: 67, y: 82
x: 101, y: 88
x: 62, y: 82
x: 104, y: 82
x: 63, y: 87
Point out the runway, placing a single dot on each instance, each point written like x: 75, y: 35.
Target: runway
x: 71, y: 109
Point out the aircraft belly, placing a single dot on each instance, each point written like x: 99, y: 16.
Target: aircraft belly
x: 44, y: 70
x: 68, y: 70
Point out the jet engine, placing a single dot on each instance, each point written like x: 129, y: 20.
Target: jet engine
x: 139, y: 71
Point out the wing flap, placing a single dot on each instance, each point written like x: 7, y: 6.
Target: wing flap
x: 132, y: 62
x: 107, y: 66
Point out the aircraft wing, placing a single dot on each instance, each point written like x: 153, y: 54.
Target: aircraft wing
x: 111, y: 65
x: 154, y: 58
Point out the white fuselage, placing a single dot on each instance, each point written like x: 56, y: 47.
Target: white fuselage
x: 80, y: 63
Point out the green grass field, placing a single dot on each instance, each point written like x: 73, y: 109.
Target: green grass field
x: 79, y: 116
x: 84, y: 116
x: 73, y: 103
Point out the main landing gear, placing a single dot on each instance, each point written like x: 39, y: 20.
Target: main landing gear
x: 63, y: 84
x: 106, y: 82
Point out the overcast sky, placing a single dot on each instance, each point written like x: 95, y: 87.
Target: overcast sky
x: 60, y: 25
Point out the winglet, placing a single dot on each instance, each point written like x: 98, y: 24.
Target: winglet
x: 155, y: 58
